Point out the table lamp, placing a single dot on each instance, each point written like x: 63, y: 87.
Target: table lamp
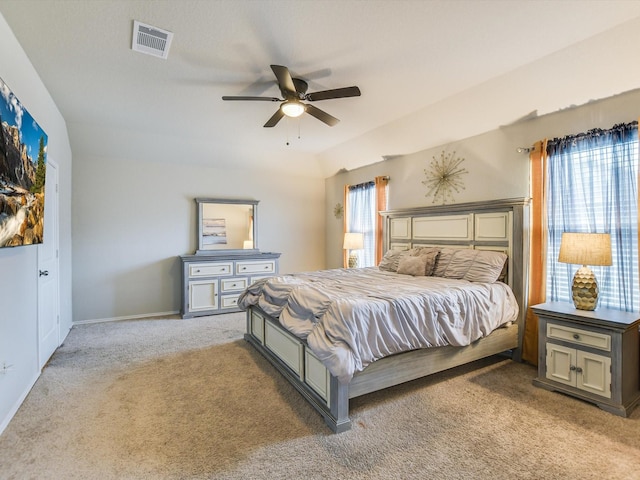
x: 353, y: 241
x: 585, y: 249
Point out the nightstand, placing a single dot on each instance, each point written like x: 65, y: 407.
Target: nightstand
x: 591, y: 355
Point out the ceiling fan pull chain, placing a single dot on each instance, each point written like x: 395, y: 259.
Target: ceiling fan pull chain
x: 287, y: 133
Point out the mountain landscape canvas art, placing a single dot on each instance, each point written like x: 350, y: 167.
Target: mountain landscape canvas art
x: 23, y: 160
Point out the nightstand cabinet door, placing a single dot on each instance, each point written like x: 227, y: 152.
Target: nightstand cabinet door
x: 593, y: 373
x: 560, y: 364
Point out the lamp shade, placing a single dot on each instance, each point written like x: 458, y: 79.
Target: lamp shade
x: 585, y: 248
x: 353, y: 241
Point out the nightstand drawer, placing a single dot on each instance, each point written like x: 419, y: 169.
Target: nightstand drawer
x: 578, y: 336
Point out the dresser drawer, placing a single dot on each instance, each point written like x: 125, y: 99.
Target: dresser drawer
x: 233, y: 284
x: 245, y: 268
x: 229, y: 301
x: 210, y: 269
x: 578, y: 336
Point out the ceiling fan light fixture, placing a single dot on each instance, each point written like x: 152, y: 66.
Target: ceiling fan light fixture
x: 292, y: 108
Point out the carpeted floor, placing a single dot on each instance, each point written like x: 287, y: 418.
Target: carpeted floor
x: 189, y: 399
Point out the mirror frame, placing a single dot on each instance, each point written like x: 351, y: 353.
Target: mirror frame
x: 201, y: 202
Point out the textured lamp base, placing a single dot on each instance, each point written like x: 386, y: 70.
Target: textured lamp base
x: 585, y: 289
x: 353, y: 261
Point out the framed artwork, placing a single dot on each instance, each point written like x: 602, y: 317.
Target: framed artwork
x: 23, y: 160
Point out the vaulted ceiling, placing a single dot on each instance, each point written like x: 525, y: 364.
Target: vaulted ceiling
x: 406, y: 57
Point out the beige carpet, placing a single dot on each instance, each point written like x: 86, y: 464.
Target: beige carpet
x: 189, y: 399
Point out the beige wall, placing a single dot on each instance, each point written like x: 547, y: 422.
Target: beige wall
x: 131, y: 220
x: 495, y: 169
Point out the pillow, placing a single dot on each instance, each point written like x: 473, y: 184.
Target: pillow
x: 417, y: 251
x: 472, y: 265
x: 430, y: 253
x: 390, y: 260
x: 431, y: 258
x: 410, y: 265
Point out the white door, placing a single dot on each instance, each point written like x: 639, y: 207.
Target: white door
x: 48, y: 288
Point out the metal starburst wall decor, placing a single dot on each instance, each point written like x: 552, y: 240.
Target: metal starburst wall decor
x: 443, y: 177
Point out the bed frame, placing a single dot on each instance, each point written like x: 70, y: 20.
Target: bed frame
x: 494, y: 225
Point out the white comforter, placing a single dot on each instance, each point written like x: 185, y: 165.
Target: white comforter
x: 352, y: 317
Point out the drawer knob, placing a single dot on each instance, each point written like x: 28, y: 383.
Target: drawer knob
x: 576, y: 336
x: 266, y: 267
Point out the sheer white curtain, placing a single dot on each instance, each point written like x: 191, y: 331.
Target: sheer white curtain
x: 361, y: 215
x: 593, y: 188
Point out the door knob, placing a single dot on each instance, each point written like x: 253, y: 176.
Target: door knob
x: 44, y: 273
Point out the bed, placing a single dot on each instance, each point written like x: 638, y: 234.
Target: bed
x: 339, y: 334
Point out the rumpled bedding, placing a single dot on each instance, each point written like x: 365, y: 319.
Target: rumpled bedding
x: 353, y: 317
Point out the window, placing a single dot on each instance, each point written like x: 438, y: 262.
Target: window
x: 363, y: 202
x: 593, y: 187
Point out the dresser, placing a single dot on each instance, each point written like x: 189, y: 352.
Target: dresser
x: 211, y: 284
x: 591, y: 355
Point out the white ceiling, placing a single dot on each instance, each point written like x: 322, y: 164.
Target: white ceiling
x: 404, y: 55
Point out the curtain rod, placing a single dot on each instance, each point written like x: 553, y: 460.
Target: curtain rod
x: 525, y: 149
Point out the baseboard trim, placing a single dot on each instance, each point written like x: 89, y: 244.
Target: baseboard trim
x: 18, y: 404
x: 127, y: 317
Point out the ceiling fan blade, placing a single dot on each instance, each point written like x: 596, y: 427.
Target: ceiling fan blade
x: 284, y: 80
x: 275, y: 118
x: 334, y: 93
x: 321, y: 115
x: 261, y: 99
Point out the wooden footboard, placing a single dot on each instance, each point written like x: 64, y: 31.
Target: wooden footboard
x: 291, y: 357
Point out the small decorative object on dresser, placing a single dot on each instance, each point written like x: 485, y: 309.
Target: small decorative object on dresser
x: 591, y: 355
x: 227, y: 260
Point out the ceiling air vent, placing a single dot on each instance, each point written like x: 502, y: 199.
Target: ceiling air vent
x: 151, y: 40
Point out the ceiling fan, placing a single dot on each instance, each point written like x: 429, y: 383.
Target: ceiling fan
x: 294, y: 90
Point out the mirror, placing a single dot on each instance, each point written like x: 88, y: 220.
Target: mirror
x: 225, y: 225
